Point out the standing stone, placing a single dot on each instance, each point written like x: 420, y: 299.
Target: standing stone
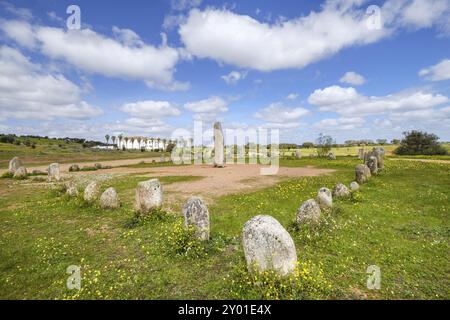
x: 379, y: 153
x: 196, y: 214
x: 149, y: 196
x: 92, y: 191
x: 14, y: 164
x: 354, y: 186
x: 218, y: 146
x: 268, y: 246
x: 72, y: 191
x: 331, y: 156
x: 109, y: 199
x: 341, y: 191
x: 53, y: 172
x: 361, y: 154
x: 324, y: 198
x: 372, y: 163
x: 298, y: 154
x: 309, y: 211
x: 20, y: 173
x: 362, y: 173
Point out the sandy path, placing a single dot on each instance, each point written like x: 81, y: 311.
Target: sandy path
x: 217, y: 181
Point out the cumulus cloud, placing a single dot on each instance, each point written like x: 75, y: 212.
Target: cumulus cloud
x: 234, y: 76
x: 349, y: 102
x: 352, y: 78
x: 342, y: 123
x: 126, y: 56
x: 277, y: 112
x: 29, y: 92
x: 209, y: 109
x: 243, y: 41
x: 150, y: 109
x: 438, y: 72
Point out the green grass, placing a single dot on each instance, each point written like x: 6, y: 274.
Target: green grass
x: 399, y: 223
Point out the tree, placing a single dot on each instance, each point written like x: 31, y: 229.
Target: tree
x: 307, y: 145
x: 323, y: 144
x: 126, y: 143
x: 139, y: 140
x: 418, y: 142
x: 113, y: 139
x: 107, y: 138
x: 395, y: 141
x: 381, y: 141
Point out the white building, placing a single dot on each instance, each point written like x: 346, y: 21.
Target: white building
x: 138, y: 143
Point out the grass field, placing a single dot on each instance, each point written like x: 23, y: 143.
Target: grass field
x: 399, y: 221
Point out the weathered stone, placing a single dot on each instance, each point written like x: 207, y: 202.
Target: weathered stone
x: 268, y: 246
x: 324, y: 198
x: 379, y: 153
x: 72, y: 190
x: 372, y: 163
x: 298, y: 154
x: 362, y: 173
x: 109, y: 199
x: 196, y: 214
x: 149, y: 196
x: 218, y: 146
x: 14, y: 164
x: 354, y: 186
x: 361, y: 154
x: 341, y: 191
x: 98, y: 166
x: 20, y: 173
x: 74, y: 168
x: 92, y: 191
x: 331, y: 156
x: 309, y: 211
x: 53, y: 172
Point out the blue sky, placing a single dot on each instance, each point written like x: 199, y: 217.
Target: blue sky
x: 150, y: 67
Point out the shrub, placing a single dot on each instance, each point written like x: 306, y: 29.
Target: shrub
x: 306, y: 282
x: 182, y: 241
x: 7, y: 175
x: 420, y: 143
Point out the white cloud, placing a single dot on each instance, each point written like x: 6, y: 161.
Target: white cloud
x: 150, y: 109
x: 352, y: 78
x: 348, y: 101
x: 20, y: 31
x: 181, y: 5
x: 28, y: 92
x: 126, y: 57
x: 292, y: 96
x: 22, y: 13
x: 213, y: 104
x: 277, y: 112
x: 243, y: 41
x: 342, y: 123
x: 438, y: 72
x: 234, y: 76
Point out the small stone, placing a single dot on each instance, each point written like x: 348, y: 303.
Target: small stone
x: 14, y: 164
x: 331, y: 156
x: 379, y: 153
x: 74, y: 168
x: 92, y: 191
x: 196, y: 214
x: 20, y: 173
x: 361, y: 154
x: 53, y: 172
x: 109, y: 199
x: 324, y: 198
x: 362, y: 173
x: 341, y: 191
x: 309, y: 211
x: 149, y: 196
x: 72, y: 191
x: 354, y: 186
x: 268, y: 246
x: 298, y: 154
x: 98, y: 166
